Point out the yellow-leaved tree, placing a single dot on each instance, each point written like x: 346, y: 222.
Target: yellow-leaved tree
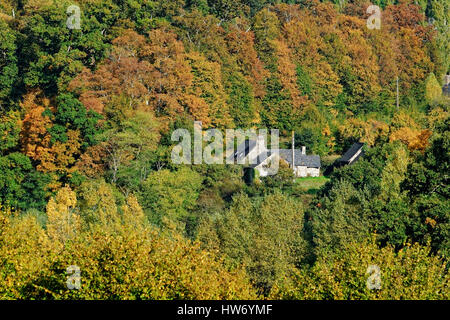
x: 64, y: 221
x: 365, y: 271
x: 124, y: 258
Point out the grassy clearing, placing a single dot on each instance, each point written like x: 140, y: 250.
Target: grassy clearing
x: 311, y: 184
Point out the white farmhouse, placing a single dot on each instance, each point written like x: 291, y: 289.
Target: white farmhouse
x: 254, y: 153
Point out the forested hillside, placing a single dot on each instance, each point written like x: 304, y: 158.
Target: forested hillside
x: 86, y: 177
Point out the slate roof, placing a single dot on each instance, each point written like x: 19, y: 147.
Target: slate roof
x: 310, y: 161
x: 351, y: 152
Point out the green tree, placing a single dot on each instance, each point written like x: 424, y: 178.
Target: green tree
x: 8, y: 63
x: 21, y: 186
x: 266, y: 235
x: 168, y: 197
x: 433, y: 89
x: 9, y: 131
x: 241, y: 100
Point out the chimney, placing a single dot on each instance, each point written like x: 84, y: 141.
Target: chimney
x: 293, y: 149
x: 303, y: 150
x: 261, y: 143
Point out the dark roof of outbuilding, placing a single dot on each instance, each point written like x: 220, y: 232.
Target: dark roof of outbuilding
x: 351, y: 152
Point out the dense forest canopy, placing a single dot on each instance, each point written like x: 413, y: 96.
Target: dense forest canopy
x: 87, y: 108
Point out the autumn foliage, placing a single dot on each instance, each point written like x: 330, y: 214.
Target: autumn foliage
x: 86, y: 177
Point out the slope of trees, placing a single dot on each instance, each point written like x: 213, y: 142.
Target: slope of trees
x: 86, y: 117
